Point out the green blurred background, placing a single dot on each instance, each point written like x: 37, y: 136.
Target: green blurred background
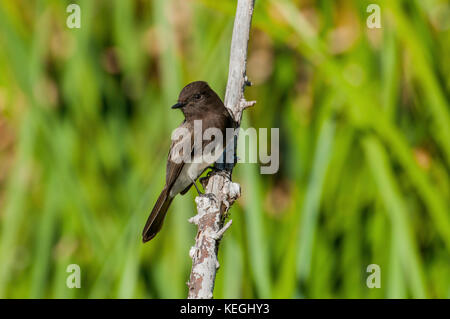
x: 364, y: 148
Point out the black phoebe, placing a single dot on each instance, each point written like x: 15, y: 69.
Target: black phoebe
x: 198, y: 102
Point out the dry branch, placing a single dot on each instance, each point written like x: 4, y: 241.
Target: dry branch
x: 221, y: 192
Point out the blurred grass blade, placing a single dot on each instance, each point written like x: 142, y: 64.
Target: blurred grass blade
x: 402, y: 232
x: 310, y: 211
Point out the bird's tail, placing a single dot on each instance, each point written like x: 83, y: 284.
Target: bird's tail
x: 156, y: 218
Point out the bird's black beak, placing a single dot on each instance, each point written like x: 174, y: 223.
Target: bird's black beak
x: 178, y: 105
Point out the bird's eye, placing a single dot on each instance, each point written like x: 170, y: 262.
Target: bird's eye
x: 197, y: 96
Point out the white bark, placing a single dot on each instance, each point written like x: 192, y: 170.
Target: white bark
x: 221, y: 192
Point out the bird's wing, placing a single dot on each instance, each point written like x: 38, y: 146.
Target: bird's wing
x: 180, y: 152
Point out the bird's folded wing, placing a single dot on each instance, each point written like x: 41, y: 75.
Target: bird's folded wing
x: 180, y: 152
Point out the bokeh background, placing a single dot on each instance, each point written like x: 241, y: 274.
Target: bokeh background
x: 364, y: 148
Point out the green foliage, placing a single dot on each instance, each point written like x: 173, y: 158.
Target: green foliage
x: 364, y: 148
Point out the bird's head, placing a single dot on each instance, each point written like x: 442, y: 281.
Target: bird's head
x: 196, y: 99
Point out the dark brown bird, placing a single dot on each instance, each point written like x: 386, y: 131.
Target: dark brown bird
x: 198, y: 102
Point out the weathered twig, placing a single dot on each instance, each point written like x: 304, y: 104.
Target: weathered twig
x: 220, y: 191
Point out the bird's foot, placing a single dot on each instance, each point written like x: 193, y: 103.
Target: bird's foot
x: 198, y: 190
